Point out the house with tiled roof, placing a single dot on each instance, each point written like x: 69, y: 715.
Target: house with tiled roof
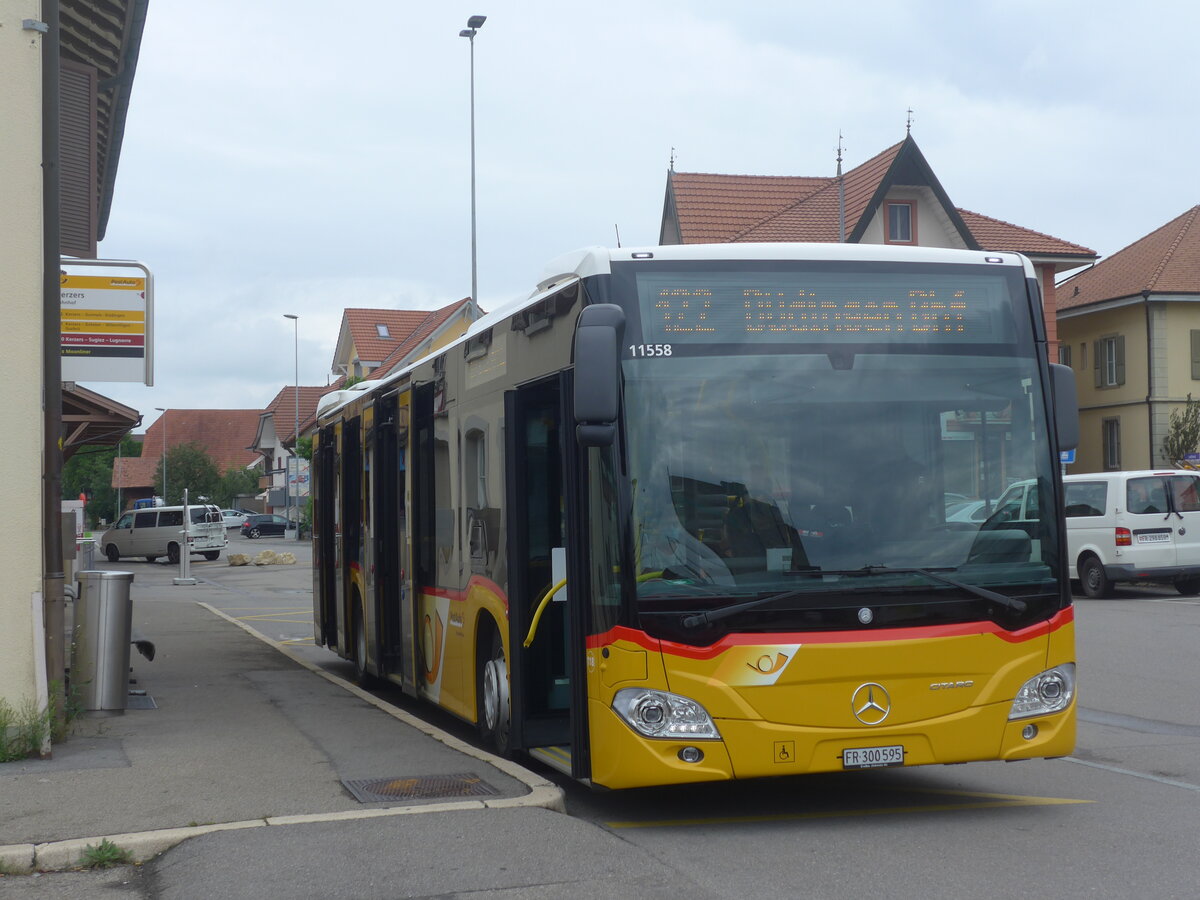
x: 1130, y: 328
x: 224, y: 434
x: 892, y: 198
x: 370, y: 338
x: 439, y: 328
x: 283, y: 475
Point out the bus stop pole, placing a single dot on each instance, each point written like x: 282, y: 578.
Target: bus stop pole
x: 185, y: 549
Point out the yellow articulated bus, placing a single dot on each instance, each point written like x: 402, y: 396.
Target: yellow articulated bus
x: 693, y: 513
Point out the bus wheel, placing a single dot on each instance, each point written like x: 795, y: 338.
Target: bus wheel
x: 491, y: 697
x: 173, y: 554
x: 1093, y: 579
x: 361, y: 676
x: 1188, y: 586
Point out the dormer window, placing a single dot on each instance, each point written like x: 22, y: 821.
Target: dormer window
x: 901, y: 223
x: 382, y: 331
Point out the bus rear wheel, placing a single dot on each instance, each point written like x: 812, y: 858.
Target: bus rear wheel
x: 173, y: 554
x: 491, y: 697
x: 362, y: 676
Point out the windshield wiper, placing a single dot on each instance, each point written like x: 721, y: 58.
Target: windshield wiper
x: 1012, y: 603
x: 716, y: 615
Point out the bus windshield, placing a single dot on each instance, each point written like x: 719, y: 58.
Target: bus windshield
x: 820, y: 470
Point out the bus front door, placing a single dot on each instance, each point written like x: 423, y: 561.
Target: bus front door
x: 539, y: 468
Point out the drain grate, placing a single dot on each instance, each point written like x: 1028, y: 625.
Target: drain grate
x: 418, y: 787
x: 140, y: 701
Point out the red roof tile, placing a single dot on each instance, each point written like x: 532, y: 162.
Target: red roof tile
x: 721, y: 208
x: 283, y: 408
x: 995, y: 234
x: 433, y: 321
x: 372, y: 348
x: 717, y: 208
x: 1166, y: 261
x: 223, y: 433
x: 135, y: 471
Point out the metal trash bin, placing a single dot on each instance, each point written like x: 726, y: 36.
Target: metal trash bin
x: 103, y: 631
x: 87, y: 553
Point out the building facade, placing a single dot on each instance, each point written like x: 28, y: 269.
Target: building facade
x: 1130, y: 328
x: 22, y: 664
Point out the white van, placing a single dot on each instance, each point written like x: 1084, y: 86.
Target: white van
x: 159, y: 532
x: 1133, y: 526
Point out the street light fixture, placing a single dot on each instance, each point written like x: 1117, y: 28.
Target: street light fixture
x: 295, y: 434
x: 473, y: 25
x: 164, y: 450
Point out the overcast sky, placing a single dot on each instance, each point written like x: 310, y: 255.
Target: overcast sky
x: 294, y: 156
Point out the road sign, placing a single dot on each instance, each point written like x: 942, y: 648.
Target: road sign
x: 107, y: 323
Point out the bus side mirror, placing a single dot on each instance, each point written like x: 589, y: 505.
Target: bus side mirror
x: 1066, y: 406
x: 598, y: 336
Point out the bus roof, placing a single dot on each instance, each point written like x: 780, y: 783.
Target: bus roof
x: 598, y: 260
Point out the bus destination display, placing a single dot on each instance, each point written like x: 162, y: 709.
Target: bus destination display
x: 724, y: 310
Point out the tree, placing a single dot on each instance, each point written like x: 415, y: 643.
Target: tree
x: 89, y: 472
x: 234, y: 483
x: 188, y: 466
x: 1183, y: 432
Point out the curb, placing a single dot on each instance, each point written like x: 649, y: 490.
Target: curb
x: 142, y: 846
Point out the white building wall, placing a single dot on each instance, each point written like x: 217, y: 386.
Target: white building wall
x: 934, y: 228
x: 21, y: 352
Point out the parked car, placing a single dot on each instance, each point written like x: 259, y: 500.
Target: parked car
x: 975, y: 511
x: 1141, y: 526
x: 233, y: 517
x: 158, y: 531
x: 264, y: 524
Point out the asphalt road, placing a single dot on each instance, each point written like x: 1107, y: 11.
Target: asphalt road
x: 1116, y: 819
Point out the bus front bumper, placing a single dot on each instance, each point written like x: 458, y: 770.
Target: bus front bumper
x: 758, y: 749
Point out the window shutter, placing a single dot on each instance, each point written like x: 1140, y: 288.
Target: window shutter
x: 1097, y: 359
x: 1119, y: 345
x: 79, y: 204
x: 1195, y: 355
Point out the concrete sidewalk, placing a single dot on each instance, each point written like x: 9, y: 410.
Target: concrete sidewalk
x: 245, y: 733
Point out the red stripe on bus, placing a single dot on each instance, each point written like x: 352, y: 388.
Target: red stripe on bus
x: 927, y: 632
x: 461, y: 594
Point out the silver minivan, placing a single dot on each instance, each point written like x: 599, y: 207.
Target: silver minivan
x: 1141, y: 526
x: 158, y: 531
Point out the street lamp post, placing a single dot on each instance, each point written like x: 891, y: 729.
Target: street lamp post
x: 295, y: 434
x: 164, y: 451
x: 473, y: 25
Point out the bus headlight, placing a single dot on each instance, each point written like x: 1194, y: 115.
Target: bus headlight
x: 658, y: 714
x: 1049, y: 692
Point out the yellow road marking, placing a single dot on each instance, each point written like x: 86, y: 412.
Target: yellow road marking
x: 993, y: 801
x: 281, y: 609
